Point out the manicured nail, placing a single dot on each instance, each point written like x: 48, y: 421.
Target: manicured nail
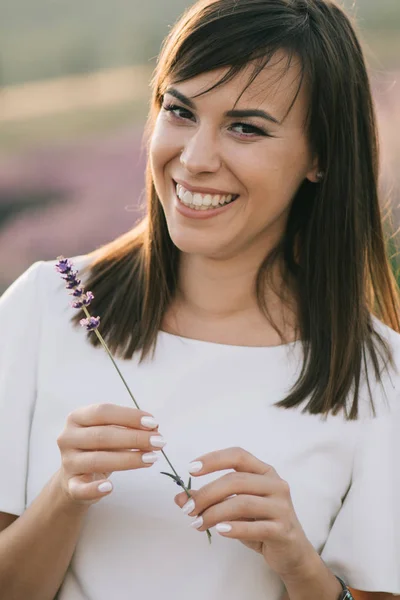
x: 223, y: 527
x: 188, y: 507
x: 149, y: 422
x: 149, y: 457
x: 106, y: 486
x: 157, y: 441
x: 197, y: 523
x: 195, y: 467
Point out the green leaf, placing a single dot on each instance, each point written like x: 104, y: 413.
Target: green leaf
x: 174, y: 477
x: 189, y: 485
x: 169, y: 475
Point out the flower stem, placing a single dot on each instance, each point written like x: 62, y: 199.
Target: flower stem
x: 100, y: 337
x: 103, y: 343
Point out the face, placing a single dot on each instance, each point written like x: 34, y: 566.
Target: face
x: 226, y: 175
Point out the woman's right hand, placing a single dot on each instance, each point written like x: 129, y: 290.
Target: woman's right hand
x: 102, y: 438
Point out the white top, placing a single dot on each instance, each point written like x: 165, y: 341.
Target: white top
x: 344, y: 476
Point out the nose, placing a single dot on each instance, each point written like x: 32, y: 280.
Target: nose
x: 200, y: 154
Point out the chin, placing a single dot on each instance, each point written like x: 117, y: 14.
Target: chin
x: 186, y: 243
x: 190, y: 243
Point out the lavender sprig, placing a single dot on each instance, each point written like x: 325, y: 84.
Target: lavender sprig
x: 82, y: 299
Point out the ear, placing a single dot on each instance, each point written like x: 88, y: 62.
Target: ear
x: 314, y: 174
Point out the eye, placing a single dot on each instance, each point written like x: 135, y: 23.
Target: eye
x: 249, y: 131
x: 177, y: 112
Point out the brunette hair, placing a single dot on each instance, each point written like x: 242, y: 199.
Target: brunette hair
x: 334, y: 249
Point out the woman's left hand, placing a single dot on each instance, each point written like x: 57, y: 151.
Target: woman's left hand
x: 256, y: 503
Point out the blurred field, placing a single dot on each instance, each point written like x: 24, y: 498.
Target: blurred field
x: 41, y: 39
x: 72, y: 107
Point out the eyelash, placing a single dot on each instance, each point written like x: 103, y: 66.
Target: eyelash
x: 171, y: 108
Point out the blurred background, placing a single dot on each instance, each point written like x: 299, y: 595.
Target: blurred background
x: 74, y: 91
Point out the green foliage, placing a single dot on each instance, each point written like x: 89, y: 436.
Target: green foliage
x: 393, y: 251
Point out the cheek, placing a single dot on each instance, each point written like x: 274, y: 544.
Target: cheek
x: 259, y: 166
x: 157, y: 150
x: 280, y: 169
x: 158, y: 158
x: 272, y: 178
x: 163, y: 145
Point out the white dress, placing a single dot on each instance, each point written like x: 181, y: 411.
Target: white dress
x: 136, y: 543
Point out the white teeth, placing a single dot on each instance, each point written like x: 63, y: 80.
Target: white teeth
x: 201, y: 201
x: 186, y: 197
x: 197, y: 200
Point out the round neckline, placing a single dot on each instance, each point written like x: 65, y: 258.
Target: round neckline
x: 233, y: 346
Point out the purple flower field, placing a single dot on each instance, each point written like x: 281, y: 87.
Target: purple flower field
x: 92, y: 192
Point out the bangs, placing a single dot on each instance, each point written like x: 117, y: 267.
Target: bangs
x: 218, y: 39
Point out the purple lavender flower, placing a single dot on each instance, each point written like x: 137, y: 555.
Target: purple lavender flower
x: 78, y: 292
x: 70, y: 275
x: 91, y: 323
x: 65, y: 267
x: 88, y: 298
x: 84, y: 300
x: 72, y: 284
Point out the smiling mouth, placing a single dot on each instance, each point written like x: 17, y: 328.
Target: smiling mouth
x: 198, y: 201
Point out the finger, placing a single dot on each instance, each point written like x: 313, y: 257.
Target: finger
x: 228, y: 485
x: 104, y: 462
x: 229, y: 458
x: 97, y: 476
x: 109, y: 437
x: 238, y: 508
x: 109, y: 414
x: 84, y: 491
x: 250, y: 530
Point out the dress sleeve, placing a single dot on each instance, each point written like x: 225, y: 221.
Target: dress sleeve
x: 20, y: 316
x: 363, y: 546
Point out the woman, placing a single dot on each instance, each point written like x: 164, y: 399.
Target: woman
x: 253, y: 314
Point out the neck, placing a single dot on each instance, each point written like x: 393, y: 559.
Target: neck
x: 216, y: 288
x: 216, y: 300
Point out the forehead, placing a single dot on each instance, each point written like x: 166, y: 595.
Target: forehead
x: 274, y: 89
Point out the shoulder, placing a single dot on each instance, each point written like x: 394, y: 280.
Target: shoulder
x: 44, y: 275
x: 38, y: 290
x: 389, y: 334
x: 51, y: 278
x: 385, y: 389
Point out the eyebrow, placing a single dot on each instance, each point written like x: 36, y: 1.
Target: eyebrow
x: 250, y: 112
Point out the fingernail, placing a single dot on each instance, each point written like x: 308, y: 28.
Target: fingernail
x: 106, y: 486
x: 197, y: 523
x: 157, y: 441
x: 195, y: 467
x: 149, y: 457
x: 223, y: 527
x: 149, y: 422
x: 188, y: 507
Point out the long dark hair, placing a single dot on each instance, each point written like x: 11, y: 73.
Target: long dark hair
x: 333, y: 250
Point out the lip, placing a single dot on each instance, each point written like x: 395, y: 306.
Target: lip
x: 201, y: 190
x: 192, y: 213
